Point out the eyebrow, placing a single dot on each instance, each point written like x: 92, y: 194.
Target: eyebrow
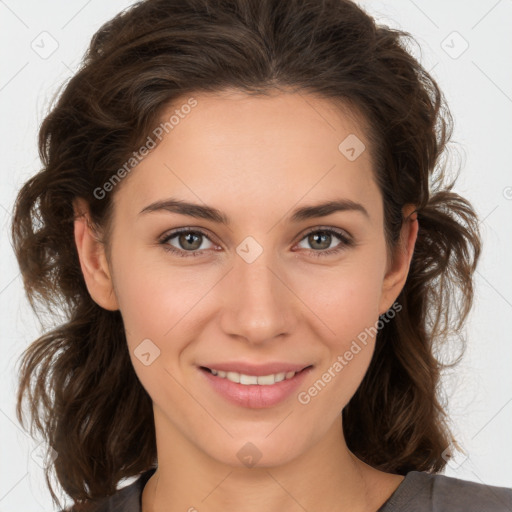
x: 213, y: 214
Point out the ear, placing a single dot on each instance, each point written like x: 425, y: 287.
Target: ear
x: 398, y: 270
x: 93, y: 261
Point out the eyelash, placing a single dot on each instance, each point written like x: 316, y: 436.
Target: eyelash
x: 345, y: 240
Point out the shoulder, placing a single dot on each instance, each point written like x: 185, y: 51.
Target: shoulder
x: 422, y: 492
x: 126, y: 499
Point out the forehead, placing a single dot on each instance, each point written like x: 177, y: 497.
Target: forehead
x: 284, y: 125
x: 266, y: 150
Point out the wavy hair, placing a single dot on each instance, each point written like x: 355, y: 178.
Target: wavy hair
x: 83, y: 393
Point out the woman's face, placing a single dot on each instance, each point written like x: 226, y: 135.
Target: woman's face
x: 268, y: 285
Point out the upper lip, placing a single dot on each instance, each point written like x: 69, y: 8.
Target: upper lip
x: 257, y: 370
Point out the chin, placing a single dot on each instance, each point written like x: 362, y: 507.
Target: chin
x: 257, y: 451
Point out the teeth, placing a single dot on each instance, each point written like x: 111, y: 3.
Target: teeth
x: 247, y: 379
x: 264, y: 380
x: 233, y: 376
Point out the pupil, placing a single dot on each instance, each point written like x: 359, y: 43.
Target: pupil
x: 190, y: 236
x: 317, y: 236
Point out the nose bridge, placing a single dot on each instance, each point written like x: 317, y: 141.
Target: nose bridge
x: 259, y: 303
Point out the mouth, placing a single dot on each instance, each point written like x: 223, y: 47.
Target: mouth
x: 255, y: 391
x: 251, y: 380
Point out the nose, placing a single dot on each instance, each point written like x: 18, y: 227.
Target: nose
x: 258, y: 303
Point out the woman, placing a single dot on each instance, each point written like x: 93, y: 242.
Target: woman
x: 285, y: 359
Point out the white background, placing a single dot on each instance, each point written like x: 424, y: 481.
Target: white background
x: 478, y: 86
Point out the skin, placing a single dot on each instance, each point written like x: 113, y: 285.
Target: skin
x: 255, y: 159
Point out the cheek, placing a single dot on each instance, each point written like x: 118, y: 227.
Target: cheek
x: 347, y: 298
x: 347, y: 305
x: 153, y: 297
x: 160, y: 307
x: 164, y: 310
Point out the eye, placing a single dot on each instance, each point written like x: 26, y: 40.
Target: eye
x: 321, y: 238
x: 188, y: 240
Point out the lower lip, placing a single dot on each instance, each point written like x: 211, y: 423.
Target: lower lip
x: 255, y: 396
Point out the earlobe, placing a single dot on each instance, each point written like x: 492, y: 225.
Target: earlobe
x: 398, y: 271
x: 93, y: 261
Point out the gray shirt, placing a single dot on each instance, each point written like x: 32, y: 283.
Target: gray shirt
x: 418, y: 492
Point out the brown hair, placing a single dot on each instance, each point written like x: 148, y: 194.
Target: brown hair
x: 84, y: 395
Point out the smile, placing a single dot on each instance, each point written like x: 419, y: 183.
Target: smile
x: 254, y: 391
x: 241, y: 378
